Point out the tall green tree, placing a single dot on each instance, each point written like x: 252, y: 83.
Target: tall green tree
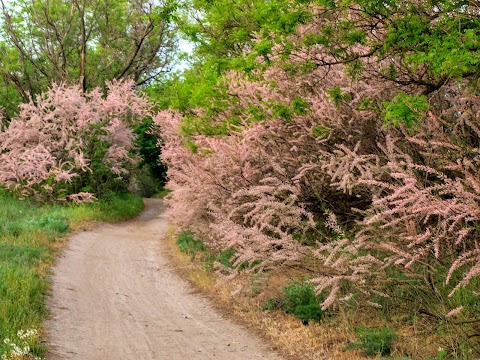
x: 418, y: 46
x: 84, y: 41
x: 227, y: 35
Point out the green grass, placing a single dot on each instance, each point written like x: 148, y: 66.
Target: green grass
x: 187, y: 244
x: 29, y: 238
x: 162, y: 193
x: 374, y: 341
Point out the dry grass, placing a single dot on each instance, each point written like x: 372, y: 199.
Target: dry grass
x: 325, y: 340
x: 416, y: 337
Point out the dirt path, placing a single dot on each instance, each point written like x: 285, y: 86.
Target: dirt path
x: 114, y: 296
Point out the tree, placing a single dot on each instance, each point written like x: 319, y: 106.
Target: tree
x: 147, y: 142
x: 71, y: 145
x: 352, y: 140
x: 84, y: 41
x: 226, y: 37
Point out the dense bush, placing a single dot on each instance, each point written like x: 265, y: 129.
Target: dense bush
x: 375, y: 341
x: 352, y: 141
x: 147, y: 141
x: 298, y: 294
x: 70, y: 145
x: 300, y: 300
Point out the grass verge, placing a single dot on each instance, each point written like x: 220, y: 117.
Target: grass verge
x: 293, y: 338
x: 30, y: 236
x: 283, y: 308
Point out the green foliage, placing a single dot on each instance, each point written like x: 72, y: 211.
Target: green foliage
x: 320, y: 131
x: 374, y: 341
x: 150, y: 174
x: 465, y: 297
x: 298, y: 293
x: 449, y: 48
x: 18, y: 218
x: 272, y: 304
x: 197, y: 249
x: 55, y: 222
x: 115, y: 207
x: 300, y: 300
x: 405, y: 109
x: 162, y: 193
x: 227, y: 27
x: 142, y: 183
x: 101, y: 180
x: 192, y: 146
x: 149, y: 150
x: 187, y: 244
x: 337, y: 95
x: 367, y: 104
x: 225, y: 256
x: 308, y: 312
x: 223, y: 36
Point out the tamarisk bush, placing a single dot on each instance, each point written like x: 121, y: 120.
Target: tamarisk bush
x: 260, y: 189
x: 354, y: 141
x: 71, y: 146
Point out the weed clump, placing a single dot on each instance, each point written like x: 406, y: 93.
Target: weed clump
x: 299, y: 299
x: 188, y: 244
x: 374, y: 341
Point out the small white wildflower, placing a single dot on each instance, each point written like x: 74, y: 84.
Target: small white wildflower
x: 17, y: 351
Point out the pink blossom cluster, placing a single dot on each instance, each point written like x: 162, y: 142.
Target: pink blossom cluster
x: 59, y: 140
x: 331, y: 182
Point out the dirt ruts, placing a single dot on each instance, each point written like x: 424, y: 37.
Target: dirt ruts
x: 115, y: 296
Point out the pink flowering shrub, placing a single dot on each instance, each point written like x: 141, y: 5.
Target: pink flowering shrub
x: 312, y: 167
x: 263, y: 189
x: 426, y: 195
x: 235, y: 194
x: 71, y: 146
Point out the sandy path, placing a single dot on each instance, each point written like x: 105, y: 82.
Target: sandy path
x: 114, y: 296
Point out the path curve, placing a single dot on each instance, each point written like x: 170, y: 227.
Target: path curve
x: 115, y: 296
